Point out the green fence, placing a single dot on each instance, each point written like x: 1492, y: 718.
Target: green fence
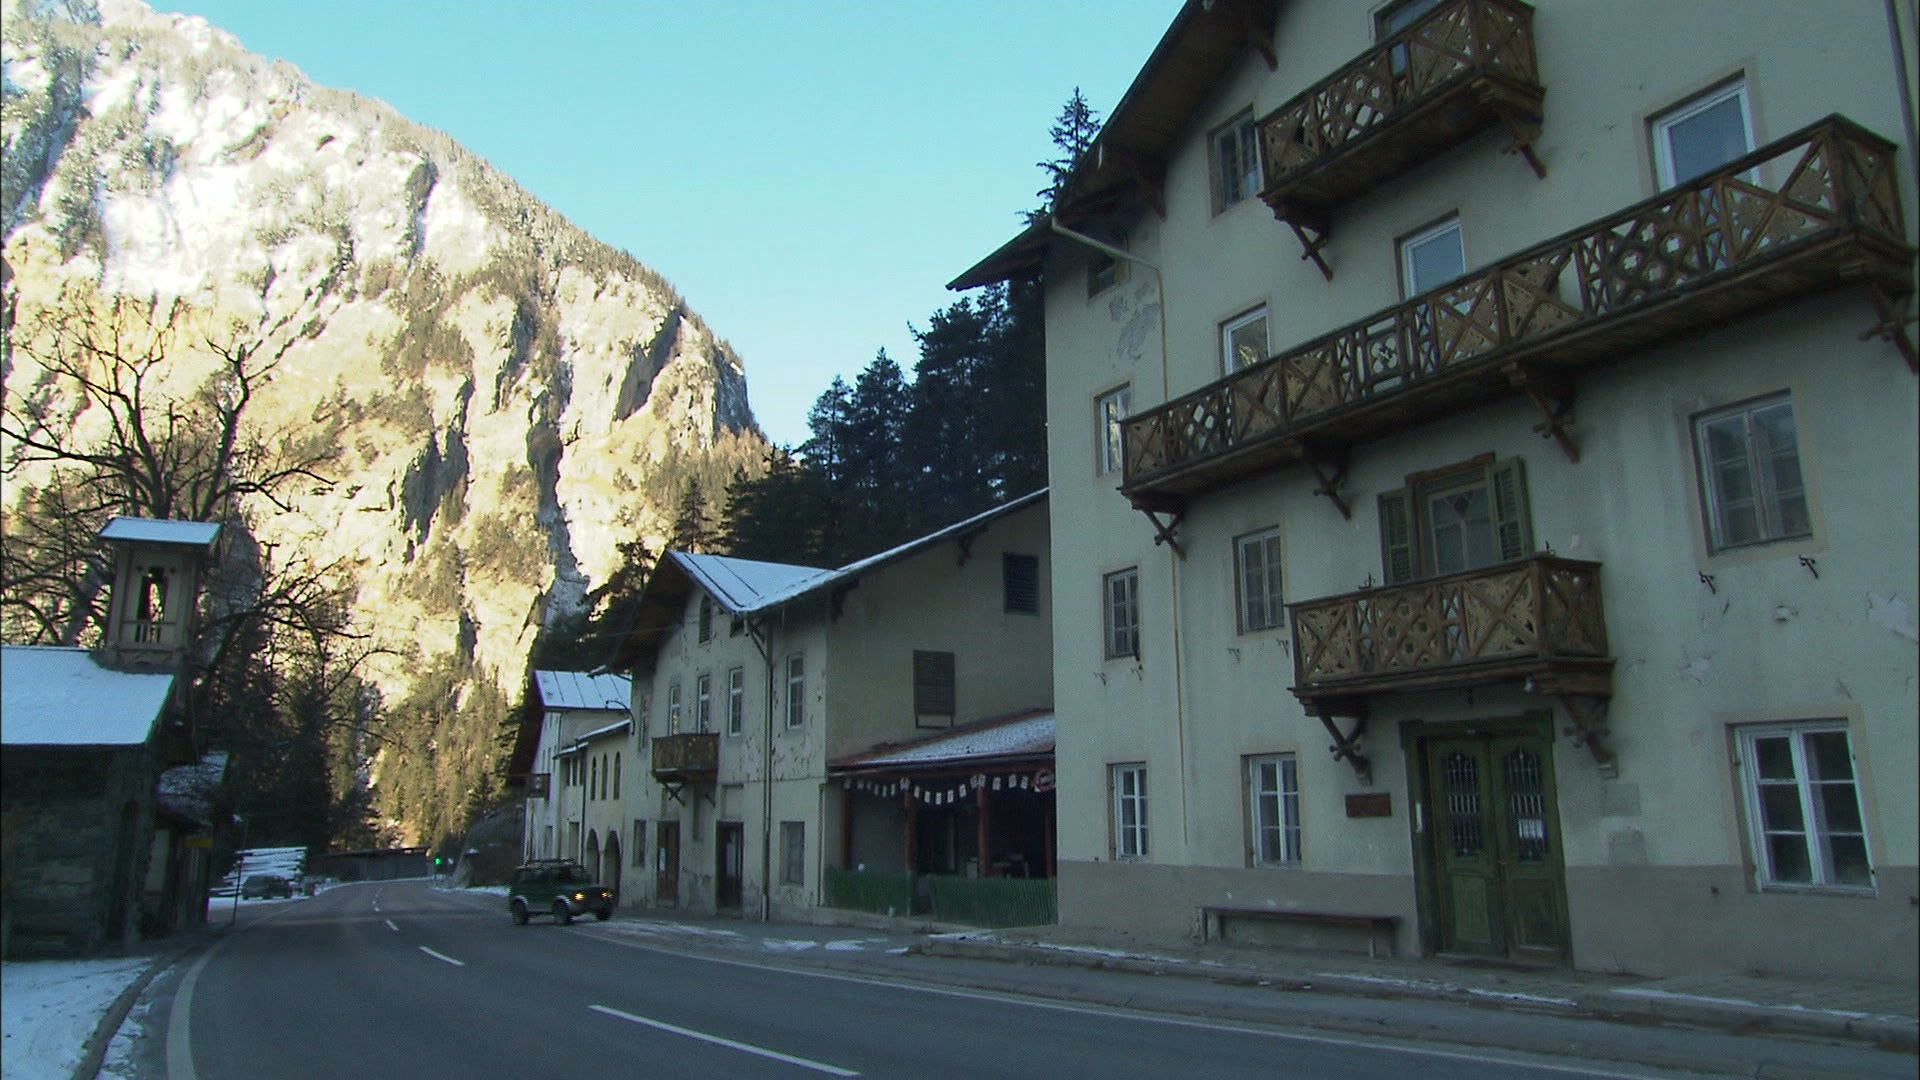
x: 993, y: 901
x: 858, y: 890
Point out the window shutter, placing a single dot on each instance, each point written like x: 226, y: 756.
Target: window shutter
x: 1396, y: 536
x: 1020, y: 581
x: 1511, y: 521
x: 933, y: 683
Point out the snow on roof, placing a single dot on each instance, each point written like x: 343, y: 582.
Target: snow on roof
x: 1020, y: 735
x: 189, y: 790
x: 608, y: 730
x: 743, y: 585
x: 604, y: 692
x: 52, y: 696
x: 191, y: 533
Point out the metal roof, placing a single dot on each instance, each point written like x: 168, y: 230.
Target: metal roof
x: 584, y: 691
x: 1026, y: 734
x: 608, y: 730
x: 744, y: 585
x: 52, y: 696
x: 200, y: 534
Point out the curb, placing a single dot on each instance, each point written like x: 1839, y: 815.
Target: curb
x: 1887, y: 1032
x: 94, y: 1054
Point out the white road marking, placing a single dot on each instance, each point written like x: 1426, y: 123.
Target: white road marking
x: 745, y: 1048
x: 390, y: 925
x: 443, y: 956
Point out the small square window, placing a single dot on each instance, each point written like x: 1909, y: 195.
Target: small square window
x: 1104, y: 271
x: 1236, y: 161
x: 1273, y: 803
x: 1750, y: 469
x: 1803, y: 806
x: 1110, y: 409
x: 1702, y: 135
x: 1129, y: 789
x: 1257, y: 577
x: 1243, y: 340
x: 1121, y: 613
x: 1432, y: 257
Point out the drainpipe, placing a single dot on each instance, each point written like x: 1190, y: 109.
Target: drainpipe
x: 1173, y: 559
x: 763, y: 639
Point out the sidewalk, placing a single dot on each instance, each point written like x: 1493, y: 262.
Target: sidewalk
x: 1887, y: 1014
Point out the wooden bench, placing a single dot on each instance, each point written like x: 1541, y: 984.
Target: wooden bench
x: 1214, y: 914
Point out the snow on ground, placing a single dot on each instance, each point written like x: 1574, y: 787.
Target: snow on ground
x: 119, y: 1063
x: 49, y: 1008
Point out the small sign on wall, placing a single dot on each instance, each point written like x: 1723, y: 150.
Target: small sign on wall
x: 1370, y: 804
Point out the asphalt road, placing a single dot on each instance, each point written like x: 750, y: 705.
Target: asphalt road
x: 405, y: 980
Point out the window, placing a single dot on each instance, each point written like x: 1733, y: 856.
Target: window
x: 1105, y: 271
x: 673, y: 709
x: 1702, y: 135
x: 1803, y: 806
x: 796, y: 690
x: 1463, y: 518
x: 1243, y: 340
x: 1109, y: 409
x: 1257, y: 568
x: 1129, y: 783
x: 1394, y: 18
x: 639, y: 845
x: 1020, y: 583
x: 1236, y: 161
x: 706, y: 618
x: 603, y: 776
x: 1750, y: 474
x: 703, y: 703
x: 1273, y: 804
x: 593, y: 778
x: 793, y: 852
x: 736, y: 699
x: 1122, y: 613
x: 616, y: 774
x: 1432, y: 257
x: 933, y: 690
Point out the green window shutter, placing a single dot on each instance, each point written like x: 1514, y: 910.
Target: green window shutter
x: 1396, y: 536
x: 1511, y: 520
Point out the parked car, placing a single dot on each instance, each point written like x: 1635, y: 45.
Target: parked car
x: 558, y: 887
x: 265, y: 886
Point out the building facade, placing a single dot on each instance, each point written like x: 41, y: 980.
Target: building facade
x: 572, y: 795
x: 751, y: 678
x: 1541, y: 441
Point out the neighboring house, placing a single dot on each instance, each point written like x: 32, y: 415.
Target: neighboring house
x: 1548, y: 434
x: 103, y: 839
x: 747, y: 670
x: 581, y: 720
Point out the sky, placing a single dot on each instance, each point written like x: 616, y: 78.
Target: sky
x: 809, y: 174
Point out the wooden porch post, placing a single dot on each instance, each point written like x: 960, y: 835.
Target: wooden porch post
x: 846, y: 827
x: 986, y: 857
x: 912, y: 818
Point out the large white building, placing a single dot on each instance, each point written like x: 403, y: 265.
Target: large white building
x: 1520, y: 401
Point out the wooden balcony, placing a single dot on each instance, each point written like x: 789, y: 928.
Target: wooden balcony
x: 1814, y: 210
x: 691, y: 757
x: 1459, y: 69
x: 1536, y: 621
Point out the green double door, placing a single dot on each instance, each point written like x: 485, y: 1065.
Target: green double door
x: 1494, y: 847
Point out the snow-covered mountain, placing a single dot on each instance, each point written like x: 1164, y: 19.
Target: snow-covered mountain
x: 515, y: 398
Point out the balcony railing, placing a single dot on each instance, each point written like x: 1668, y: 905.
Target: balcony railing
x: 1809, y: 211
x: 1535, y: 619
x: 688, y: 756
x: 1459, y: 68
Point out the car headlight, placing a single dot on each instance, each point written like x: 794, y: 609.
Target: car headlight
x: 579, y: 896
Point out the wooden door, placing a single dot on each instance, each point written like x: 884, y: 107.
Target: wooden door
x: 666, y: 854
x: 1500, y: 888
x: 731, y: 851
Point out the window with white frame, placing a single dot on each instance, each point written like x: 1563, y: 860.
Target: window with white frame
x: 703, y: 703
x: 1243, y: 340
x: 793, y: 852
x: 1109, y: 410
x: 1273, y: 806
x: 1432, y: 257
x: 1120, y: 609
x: 796, y: 690
x: 736, y: 700
x: 673, y: 709
x: 1702, y: 135
x: 1236, y: 161
x: 1750, y: 474
x: 1803, y: 805
x: 1257, y: 579
x: 1129, y: 783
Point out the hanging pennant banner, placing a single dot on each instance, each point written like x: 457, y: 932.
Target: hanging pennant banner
x: 996, y: 783
x: 1043, y: 780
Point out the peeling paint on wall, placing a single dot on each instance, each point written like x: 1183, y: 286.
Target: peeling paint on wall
x: 1142, y: 321
x: 1697, y: 670
x: 1892, y: 613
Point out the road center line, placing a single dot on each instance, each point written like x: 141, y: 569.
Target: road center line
x: 439, y: 956
x: 390, y: 925
x: 832, y: 1070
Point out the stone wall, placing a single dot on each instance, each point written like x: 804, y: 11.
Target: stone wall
x: 79, y: 826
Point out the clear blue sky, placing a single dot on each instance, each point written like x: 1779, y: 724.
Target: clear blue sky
x: 808, y: 173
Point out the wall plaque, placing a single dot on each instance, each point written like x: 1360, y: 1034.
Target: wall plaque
x: 1371, y: 804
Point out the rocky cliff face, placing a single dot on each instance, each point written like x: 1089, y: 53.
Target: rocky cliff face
x: 512, y: 399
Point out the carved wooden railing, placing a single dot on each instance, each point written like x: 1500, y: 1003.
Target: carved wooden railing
x: 1811, y: 210
x: 1437, y: 80
x: 686, y: 755
x: 1535, y: 617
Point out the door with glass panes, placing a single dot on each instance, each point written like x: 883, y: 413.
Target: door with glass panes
x: 1494, y: 847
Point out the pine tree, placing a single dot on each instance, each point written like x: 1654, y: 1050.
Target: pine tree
x: 1073, y: 133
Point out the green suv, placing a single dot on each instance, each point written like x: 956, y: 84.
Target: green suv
x: 560, y: 887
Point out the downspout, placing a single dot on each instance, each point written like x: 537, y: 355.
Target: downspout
x: 1903, y: 79
x: 763, y: 639
x: 1173, y: 559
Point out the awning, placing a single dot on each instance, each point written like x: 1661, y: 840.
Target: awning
x: 1000, y: 744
